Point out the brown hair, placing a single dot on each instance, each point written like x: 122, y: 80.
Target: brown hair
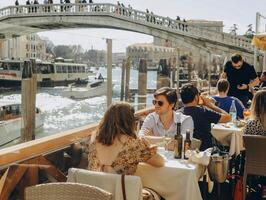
x: 258, y: 107
x: 236, y: 58
x: 118, y: 119
x: 169, y: 93
x: 222, y: 85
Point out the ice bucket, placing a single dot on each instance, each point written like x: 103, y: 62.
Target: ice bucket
x: 218, y: 167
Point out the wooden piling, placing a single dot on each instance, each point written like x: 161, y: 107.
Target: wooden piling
x: 122, y: 93
x: 190, y: 65
x: 142, y: 84
x: 177, y: 70
x: 28, y: 101
x: 163, y: 74
x: 127, y: 93
x: 173, y: 72
x: 109, y: 72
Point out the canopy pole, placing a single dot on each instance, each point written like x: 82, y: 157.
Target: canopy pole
x: 264, y: 61
x: 256, y: 32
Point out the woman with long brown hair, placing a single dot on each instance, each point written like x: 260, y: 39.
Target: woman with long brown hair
x: 115, y: 147
x: 257, y: 124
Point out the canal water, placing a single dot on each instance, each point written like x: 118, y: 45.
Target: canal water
x: 62, y: 113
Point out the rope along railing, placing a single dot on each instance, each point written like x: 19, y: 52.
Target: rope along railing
x: 147, y: 19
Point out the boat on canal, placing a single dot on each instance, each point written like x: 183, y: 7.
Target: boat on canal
x: 11, y: 121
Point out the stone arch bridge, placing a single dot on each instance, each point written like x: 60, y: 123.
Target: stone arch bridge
x: 25, y: 19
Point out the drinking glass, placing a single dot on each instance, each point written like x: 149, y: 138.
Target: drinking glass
x: 246, y: 113
x: 167, y: 140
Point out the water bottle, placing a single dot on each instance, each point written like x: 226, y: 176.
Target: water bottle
x: 232, y: 110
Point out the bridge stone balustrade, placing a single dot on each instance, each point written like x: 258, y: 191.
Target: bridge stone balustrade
x: 131, y: 15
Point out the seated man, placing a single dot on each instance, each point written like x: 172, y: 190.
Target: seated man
x: 224, y: 102
x: 202, y: 116
x: 163, y: 121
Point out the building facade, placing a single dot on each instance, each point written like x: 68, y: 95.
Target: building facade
x: 118, y: 58
x: 150, y: 52
x: 24, y: 47
x: 96, y: 58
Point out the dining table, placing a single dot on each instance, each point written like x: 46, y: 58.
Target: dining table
x: 228, y: 134
x: 177, y: 180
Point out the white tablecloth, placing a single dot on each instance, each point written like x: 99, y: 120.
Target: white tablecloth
x: 229, y: 135
x: 177, y: 180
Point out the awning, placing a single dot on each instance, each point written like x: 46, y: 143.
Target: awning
x: 259, y: 41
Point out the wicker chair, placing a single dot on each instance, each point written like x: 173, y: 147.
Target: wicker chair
x: 255, y: 157
x: 109, y: 182
x: 65, y: 191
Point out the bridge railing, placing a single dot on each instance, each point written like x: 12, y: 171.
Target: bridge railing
x: 149, y: 19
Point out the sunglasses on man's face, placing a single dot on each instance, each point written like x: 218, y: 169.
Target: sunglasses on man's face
x: 160, y: 103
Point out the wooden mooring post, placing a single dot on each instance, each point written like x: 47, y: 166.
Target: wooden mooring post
x: 109, y: 72
x: 163, y: 74
x: 28, y: 100
x: 127, y: 93
x: 122, y: 92
x: 142, y: 84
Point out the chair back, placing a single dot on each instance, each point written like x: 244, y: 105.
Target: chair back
x: 66, y: 191
x: 255, y: 154
x: 109, y: 182
x: 195, y: 144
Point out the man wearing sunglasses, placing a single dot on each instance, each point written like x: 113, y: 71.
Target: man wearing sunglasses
x: 203, y: 115
x: 163, y: 121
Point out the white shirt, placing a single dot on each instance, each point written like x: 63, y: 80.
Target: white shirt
x: 152, y: 121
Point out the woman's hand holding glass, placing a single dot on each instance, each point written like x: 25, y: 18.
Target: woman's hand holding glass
x: 246, y: 114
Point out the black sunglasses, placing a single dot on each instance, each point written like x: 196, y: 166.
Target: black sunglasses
x: 160, y: 103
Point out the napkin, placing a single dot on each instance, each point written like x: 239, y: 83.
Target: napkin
x: 202, y: 157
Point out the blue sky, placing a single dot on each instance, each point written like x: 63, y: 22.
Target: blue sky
x: 240, y: 12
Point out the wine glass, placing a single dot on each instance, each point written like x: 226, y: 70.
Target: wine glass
x: 167, y: 140
x: 246, y: 114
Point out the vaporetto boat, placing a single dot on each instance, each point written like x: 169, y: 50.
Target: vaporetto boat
x: 49, y: 74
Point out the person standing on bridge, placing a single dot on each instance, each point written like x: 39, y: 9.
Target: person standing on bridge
x: 241, y: 76
x: 16, y: 4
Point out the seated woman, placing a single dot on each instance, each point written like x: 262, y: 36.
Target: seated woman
x: 115, y: 147
x: 257, y: 124
x: 263, y: 79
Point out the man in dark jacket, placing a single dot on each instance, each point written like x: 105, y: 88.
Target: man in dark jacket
x: 241, y: 77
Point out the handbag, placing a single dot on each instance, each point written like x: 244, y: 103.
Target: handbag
x: 238, y: 194
x: 147, y: 193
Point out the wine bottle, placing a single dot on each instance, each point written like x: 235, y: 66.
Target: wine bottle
x: 187, y: 143
x: 178, y: 142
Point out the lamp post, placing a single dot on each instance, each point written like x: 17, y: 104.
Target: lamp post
x: 256, y: 32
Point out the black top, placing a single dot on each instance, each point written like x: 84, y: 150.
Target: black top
x: 238, y: 77
x: 202, y: 118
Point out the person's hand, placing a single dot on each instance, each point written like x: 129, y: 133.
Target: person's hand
x: 207, y: 101
x: 148, y: 132
x: 154, y: 147
x: 242, y: 87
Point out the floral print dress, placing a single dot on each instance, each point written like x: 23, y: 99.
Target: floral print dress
x: 133, y: 152
x: 254, y: 127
